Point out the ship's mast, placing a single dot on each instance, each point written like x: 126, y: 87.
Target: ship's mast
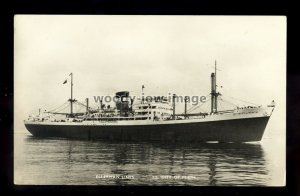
x: 214, y: 94
x: 142, y: 99
x: 173, y: 101
x: 185, y: 106
x: 216, y: 72
x: 71, y: 100
x: 87, y: 105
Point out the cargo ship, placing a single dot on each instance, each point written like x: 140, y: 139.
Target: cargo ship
x: 154, y: 120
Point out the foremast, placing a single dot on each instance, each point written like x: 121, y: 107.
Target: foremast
x: 71, y: 100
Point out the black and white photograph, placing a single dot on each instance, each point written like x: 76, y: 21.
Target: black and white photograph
x: 152, y: 100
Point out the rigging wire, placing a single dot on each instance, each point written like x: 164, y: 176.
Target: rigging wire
x: 221, y: 105
x: 228, y: 102
x: 84, y: 105
x: 55, y: 108
x: 197, y: 106
x: 242, y: 100
x: 67, y: 106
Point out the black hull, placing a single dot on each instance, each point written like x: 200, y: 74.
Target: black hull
x: 238, y: 130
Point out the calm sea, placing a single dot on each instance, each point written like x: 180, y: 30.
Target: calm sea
x: 79, y: 162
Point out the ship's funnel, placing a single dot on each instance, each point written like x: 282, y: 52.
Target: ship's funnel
x: 122, y: 102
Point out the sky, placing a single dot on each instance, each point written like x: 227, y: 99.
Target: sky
x: 167, y: 54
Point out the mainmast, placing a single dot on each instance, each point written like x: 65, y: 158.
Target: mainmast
x: 71, y: 100
x: 216, y: 98
x: 214, y: 94
x: 173, y: 102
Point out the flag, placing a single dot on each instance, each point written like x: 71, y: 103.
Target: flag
x: 65, y: 81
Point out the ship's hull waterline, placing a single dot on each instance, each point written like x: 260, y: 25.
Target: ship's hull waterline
x: 235, y: 130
